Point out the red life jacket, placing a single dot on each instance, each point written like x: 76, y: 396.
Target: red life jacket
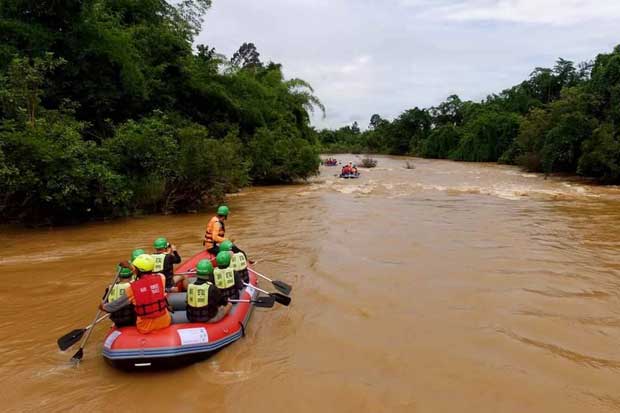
x: 149, y: 293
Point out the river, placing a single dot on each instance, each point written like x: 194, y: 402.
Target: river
x: 451, y: 287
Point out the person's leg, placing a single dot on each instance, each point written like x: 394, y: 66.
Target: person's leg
x: 221, y: 313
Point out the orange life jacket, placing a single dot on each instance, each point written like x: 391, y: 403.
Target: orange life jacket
x: 149, y: 293
x: 209, y: 241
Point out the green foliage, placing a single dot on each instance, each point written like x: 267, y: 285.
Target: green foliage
x: 487, y: 137
x: 52, y: 175
x: 106, y: 110
x: 279, y: 154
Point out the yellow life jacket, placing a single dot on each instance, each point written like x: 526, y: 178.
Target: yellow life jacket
x: 224, y: 278
x: 118, y: 290
x: 198, y: 295
x: 238, y: 262
x: 159, y: 262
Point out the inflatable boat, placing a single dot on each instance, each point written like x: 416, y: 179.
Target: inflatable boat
x: 182, y: 342
x: 350, y: 176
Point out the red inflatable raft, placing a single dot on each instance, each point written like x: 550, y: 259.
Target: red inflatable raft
x: 182, y: 342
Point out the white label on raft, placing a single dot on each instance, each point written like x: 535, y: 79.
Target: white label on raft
x: 250, y: 290
x: 191, y: 336
x: 111, y: 339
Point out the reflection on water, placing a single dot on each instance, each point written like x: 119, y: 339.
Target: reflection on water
x: 449, y: 287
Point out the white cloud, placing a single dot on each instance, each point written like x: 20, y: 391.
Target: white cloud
x: 557, y: 12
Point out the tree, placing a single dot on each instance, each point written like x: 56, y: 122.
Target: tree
x: 22, y: 89
x: 247, y: 57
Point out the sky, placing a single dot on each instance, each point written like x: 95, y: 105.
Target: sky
x: 364, y: 57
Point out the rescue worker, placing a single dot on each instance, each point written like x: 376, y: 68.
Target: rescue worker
x: 147, y: 294
x: 203, y: 298
x: 166, y: 256
x: 354, y: 170
x: 224, y: 277
x: 126, y: 316
x: 238, y: 261
x: 216, y: 231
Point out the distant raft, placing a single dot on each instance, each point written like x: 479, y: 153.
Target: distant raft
x: 350, y: 176
x: 182, y: 342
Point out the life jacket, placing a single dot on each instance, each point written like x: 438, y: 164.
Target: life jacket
x: 159, y: 262
x: 209, y: 242
x: 238, y: 262
x: 149, y: 293
x: 126, y: 316
x: 198, y: 295
x: 240, y: 265
x: 224, y: 278
x: 198, y: 308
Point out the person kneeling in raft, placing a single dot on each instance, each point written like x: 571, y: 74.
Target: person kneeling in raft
x: 125, y: 316
x: 147, y: 294
x: 205, y: 303
x: 166, y: 256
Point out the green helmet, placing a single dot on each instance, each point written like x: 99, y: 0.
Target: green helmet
x: 223, y: 259
x: 204, y: 268
x: 160, y: 243
x: 124, y: 272
x: 226, y: 245
x: 223, y: 210
x: 136, y: 253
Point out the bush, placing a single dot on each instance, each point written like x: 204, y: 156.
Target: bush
x: 368, y: 162
x: 51, y: 175
x: 281, y: 155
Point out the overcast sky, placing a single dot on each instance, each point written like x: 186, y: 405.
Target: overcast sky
x: 364, y: 57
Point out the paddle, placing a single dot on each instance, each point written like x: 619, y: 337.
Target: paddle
x: 280, y: 298
x: 265, y: 302
x: 73, y: 337
x: 279, y: 285
x: 80, y: 353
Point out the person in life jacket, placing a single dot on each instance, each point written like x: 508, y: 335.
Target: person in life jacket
x: 126, y: 316
x: 216, y: 232
x: 224, y: 277
x: 166, y: 256
x: 204, y: 300
x: 238, y: 261
x: 147, y: 294
x: 354, y: 169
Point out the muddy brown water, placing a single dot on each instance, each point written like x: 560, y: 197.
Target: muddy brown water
x: 446, y: 288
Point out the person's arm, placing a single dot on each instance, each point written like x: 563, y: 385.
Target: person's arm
x: 238, y: 280
x: 216, y: 233
x: 176, y: 258
x: 115, y: 305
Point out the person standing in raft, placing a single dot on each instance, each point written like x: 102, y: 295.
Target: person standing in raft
x: 224, y: 277
x: 166, y: 256
x: 204, y: 299
x: 147, y: 294
x: 126, y: 316
x: 216, y: 232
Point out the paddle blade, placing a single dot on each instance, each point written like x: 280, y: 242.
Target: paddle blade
x: 78, y: 356
x: 265, y: 302
x: 282, y: 286
x: 70, y: 339
x: 281, y: 298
